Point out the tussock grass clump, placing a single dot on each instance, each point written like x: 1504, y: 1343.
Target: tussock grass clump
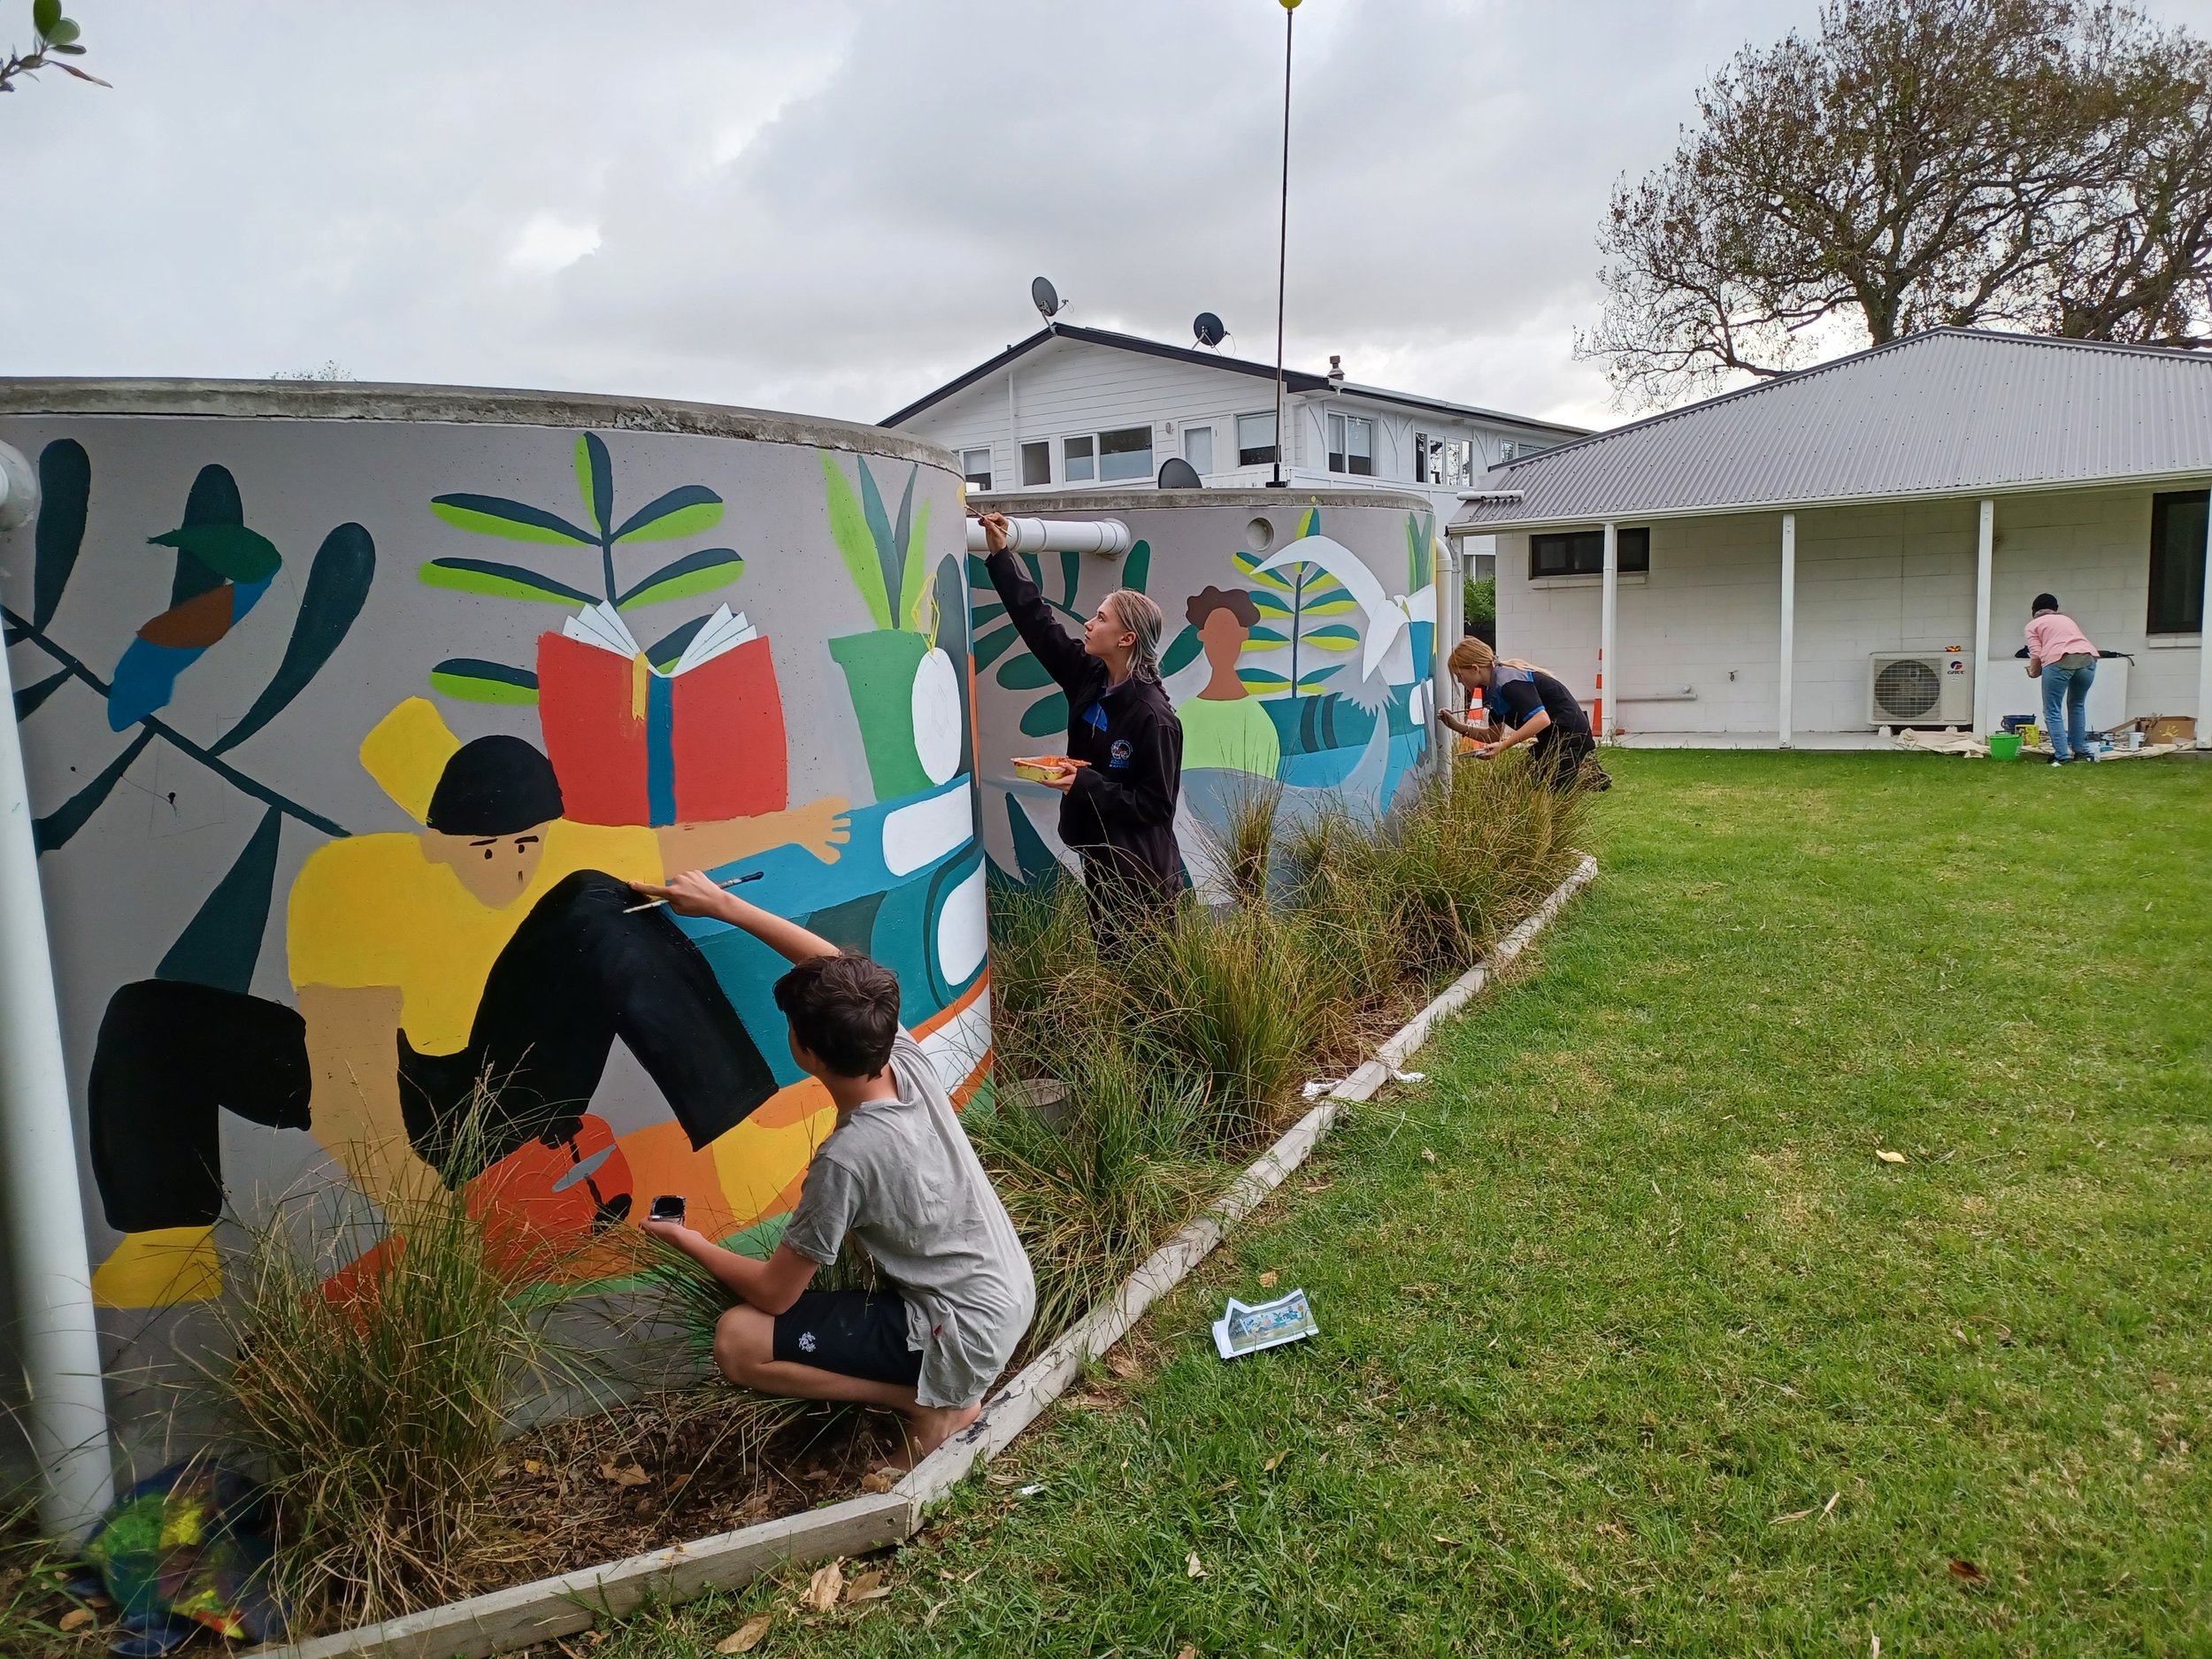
x: 375, y: 1402
x: 33, y: 1579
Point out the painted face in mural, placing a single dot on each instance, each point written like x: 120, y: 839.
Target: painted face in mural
x: 497, y: 870
x: 1225, y: 620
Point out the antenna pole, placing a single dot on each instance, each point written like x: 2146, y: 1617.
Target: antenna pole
x: 1282, y: 243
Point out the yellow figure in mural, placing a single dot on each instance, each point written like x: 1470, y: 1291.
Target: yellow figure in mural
x: 498, y: 945
x: 1224, y: 726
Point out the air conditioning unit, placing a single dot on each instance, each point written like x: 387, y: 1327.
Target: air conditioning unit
x: 1919, y: 688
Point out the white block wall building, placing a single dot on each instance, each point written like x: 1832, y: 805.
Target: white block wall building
x: 1878, y: 466
x: 1042, y: 414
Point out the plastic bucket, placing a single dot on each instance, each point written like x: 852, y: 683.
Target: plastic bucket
x: 2004, y: 746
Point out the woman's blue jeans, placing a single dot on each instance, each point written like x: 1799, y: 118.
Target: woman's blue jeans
x: 2067, y: 688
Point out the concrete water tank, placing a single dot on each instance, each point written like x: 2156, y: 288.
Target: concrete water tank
x: 346, y: 710
x: 1300, y: 652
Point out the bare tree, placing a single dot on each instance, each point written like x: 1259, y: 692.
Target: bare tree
x: 2031, y: 163
x: 58, y: 42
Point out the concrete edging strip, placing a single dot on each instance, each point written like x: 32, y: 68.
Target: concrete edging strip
x: 1021, y: 1401
x: 549, y: 1607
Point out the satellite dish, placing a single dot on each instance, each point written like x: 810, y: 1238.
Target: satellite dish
x: 1045, y: 297
x: 1177, y: 473
x: 1208, y: 329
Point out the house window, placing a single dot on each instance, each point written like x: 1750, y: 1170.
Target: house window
x: 2178, y: 528
x: 1518, y: 451
x: 1446, y: 461
x: 1198, y: 448
x: 1036, y: 463
x: 977, y: 464
x: 1352, y: 445
x: 1255, y: 440
x: 1077, y: 460
x: 1582, y: 553
x: 1126, y: 453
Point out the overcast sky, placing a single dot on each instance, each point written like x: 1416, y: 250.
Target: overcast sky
x: 832, y: 207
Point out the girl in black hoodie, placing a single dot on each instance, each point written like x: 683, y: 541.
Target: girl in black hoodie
x: 1116, y: 813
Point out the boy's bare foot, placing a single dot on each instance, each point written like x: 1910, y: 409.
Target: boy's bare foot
x: 928, y: 1427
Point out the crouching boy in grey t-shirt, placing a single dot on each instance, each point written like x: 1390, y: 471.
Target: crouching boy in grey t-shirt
x: 896, y: 1173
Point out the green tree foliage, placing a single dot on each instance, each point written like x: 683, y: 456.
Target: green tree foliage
x: 2035, y: 164
x: 58, y: 40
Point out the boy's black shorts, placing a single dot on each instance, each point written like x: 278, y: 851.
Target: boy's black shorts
x: 853, y: 1333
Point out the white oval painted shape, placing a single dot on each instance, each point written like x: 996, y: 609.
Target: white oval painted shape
x: 963, y: 933
x: 926, y: 831
x: 937, y: 717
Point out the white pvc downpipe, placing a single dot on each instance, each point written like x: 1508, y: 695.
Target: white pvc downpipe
x: 1059, y: 535
x: 1451, y: 621
x: 1785, y: 715
x: 1984, y: 553
x: 47, y: 1259
x: 1609, y: 611
x: 2204, y: 642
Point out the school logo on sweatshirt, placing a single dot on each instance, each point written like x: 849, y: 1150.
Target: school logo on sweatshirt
x: 1118, y: 754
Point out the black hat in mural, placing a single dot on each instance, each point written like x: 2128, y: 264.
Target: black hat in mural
x: 496, y: 786
x: 2044, y: 601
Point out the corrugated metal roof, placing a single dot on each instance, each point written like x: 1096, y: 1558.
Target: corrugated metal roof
x: 1953, y: 411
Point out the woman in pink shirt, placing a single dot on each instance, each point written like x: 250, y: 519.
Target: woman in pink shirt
x: 2060, y: 656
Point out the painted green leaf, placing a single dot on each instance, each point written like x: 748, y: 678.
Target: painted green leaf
x: 1250, y: 565
x: 856, y: 545
x: 1023, y: 673
x: 473, y: 680
x: 1136, y: 570
x: 213, y: 500
x: 1265, y: 640
x: 689, y: 510
x: 979, y: 573
x: 64, y: 486
x: 231, y: 550
x: 1047, y: 716
x: 663, y: 651
x: 337, y: 588
x: 1264, y: 681
x: 221, y: 944
x: 916, y: 566
x: 503, y: 581
x: 1334, y: 637
x: 495, y: 515
x: 888, y: 552
x: 694, y: 573
x: 56, y: 829
x: 993, y: 645
x: 1182, y: 650
x: 989, y: 611
x: 1341, y: 604
x: 595, y: 479
x: 28, y: 700
x: 1311, y: 524
x: 1309, y: 683
x: 1268, y: 605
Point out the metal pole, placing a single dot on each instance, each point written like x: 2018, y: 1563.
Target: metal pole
x: 45, y: 1217
x: 1985, y: 546
x: 1450, y: 610
x: 1282, y: 243
x: 1788, y: 665
x: 1608, y: 600
x: 2204, y: 638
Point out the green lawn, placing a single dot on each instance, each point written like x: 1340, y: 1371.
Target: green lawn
x: 1630, y: 1341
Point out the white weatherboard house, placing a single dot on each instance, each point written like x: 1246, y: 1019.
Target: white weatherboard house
x: 1072, y: 408
x: 1855, y: 545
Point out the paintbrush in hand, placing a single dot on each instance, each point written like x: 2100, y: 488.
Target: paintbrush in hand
x: 734, y: 881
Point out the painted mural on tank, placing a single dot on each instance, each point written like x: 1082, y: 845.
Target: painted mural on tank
x: 347, y: 740
x: 1300, y: 657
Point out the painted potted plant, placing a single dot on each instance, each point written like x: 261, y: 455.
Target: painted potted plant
x: 905, y: 689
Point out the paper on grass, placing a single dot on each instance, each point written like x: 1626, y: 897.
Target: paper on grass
x: 1247, y: 1329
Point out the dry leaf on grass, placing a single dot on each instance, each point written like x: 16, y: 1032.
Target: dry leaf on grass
x: 1191, y: 1566
x: 1889, y: 1157
x: 1122, y: 1366
x: 623, y: 1474
x: 1189, y: 1651
x: 878, y: 1481
x: 1315, y: 1186
x: 1003, y: 1480
x: 78, y: 1617
x: 1273, y: 1463
x: 825, y: 1588
x: 869, y: 1587
x: 1268, y: 1279
x: 1784, y: 1520
x: 747, y: 1636
x: 1427, y: 1156
x: 1967, y: 1573
x: 531, y: 1466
